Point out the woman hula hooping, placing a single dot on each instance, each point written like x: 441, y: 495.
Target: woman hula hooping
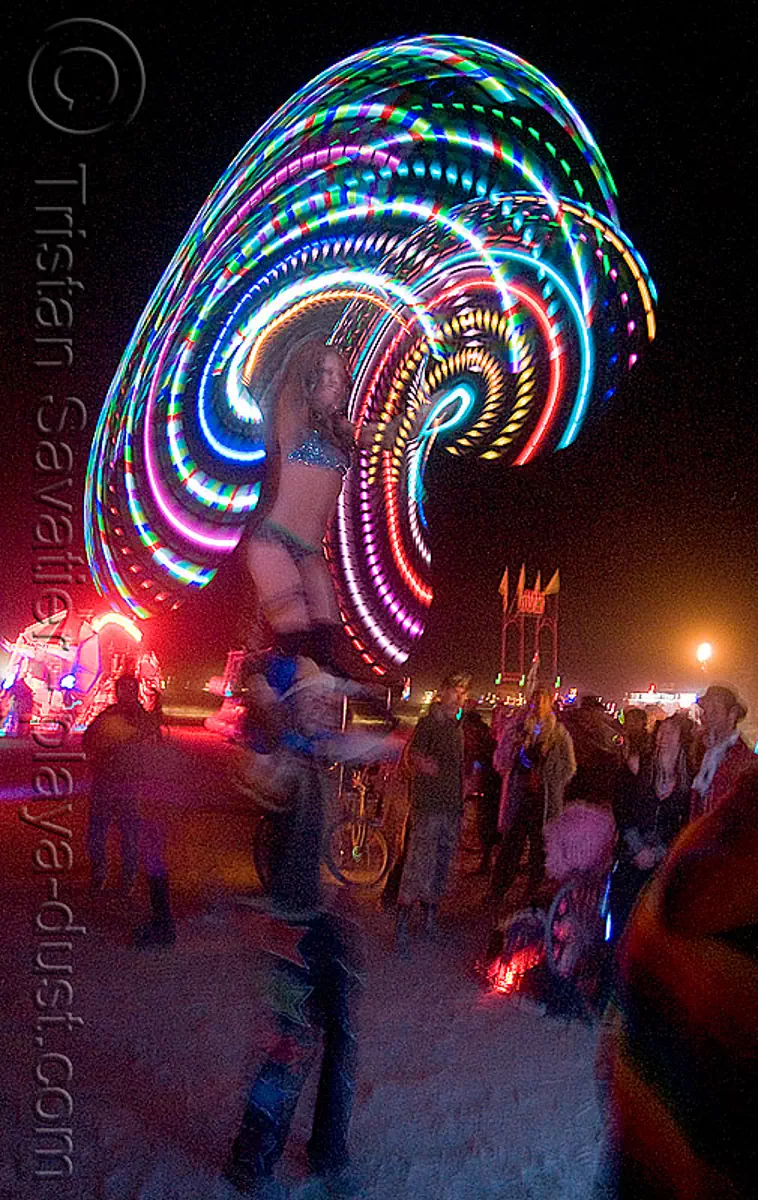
x: 314, y: 443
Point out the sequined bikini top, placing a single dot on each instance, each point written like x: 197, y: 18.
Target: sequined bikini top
x: 315, y: 451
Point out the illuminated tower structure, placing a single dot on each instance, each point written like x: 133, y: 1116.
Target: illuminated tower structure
x: 530, y: 618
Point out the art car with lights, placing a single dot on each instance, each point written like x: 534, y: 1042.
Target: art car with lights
x: 71, y: 666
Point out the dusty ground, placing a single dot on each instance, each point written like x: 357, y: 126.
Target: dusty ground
x: 461, y: 1093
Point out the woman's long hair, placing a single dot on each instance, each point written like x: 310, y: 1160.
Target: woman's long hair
x: 294, y: 387
x: 637, y: 740
x: 288, y: 403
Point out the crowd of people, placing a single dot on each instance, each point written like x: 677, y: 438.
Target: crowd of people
x: 692, y: 909
x: 679, y: 1045
x: 653, y: 774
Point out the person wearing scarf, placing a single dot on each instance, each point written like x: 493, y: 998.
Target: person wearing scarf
x: 726, y: 755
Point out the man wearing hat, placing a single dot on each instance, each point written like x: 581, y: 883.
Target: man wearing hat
x: 726, y: 755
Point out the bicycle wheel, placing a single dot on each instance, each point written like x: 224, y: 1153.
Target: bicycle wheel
x: 574, y: 929
x: 357, y: 853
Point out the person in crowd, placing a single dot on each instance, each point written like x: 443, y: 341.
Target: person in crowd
x: 674, y: 769
x: 725, y: 755
x: 678, y: 1053
x: 654, y: 714
x: 134, y: 778
x: 23, y: 705
x: 597, y: 747
x: 312, y: 957
x: 480, y: 779
x: 436, y: 756
x: 121, y: 723
x: 536, y: 759
x: 636, y: 810
x: 501, y: 715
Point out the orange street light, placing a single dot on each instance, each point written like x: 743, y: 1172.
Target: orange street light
x: 704, y: 653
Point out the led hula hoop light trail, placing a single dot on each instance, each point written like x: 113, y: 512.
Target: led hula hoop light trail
x: 435, y: 209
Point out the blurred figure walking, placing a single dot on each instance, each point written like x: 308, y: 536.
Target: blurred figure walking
x: 678, y: 1054
x: 112, y: 799
x: 312, y: 958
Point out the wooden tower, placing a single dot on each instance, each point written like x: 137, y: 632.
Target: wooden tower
x: 530, y: 618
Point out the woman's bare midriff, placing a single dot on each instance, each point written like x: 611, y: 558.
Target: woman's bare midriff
x: 306, y: 499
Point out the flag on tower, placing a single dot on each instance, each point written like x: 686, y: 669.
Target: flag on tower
x: 554, y: 586
x: 503, y: 589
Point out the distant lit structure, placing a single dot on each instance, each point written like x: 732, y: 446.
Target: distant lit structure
x: 528, y: 615
x: 70, y: 665
x: 670, y: 702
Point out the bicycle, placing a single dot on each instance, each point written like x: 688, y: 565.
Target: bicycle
x: 557, y: 952
x: 555, y: 956
x: 355, y: 848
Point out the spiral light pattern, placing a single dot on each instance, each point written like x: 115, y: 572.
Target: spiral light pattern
x: 437, y: 209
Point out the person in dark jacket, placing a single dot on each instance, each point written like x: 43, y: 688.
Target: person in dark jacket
x: 134, y: 778
x: 436, y: 755
x: 480, y: 779
x: 636, y: 810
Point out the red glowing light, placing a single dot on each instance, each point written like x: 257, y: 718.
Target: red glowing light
x: 508, y: 977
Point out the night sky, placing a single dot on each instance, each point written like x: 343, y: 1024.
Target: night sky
x: 651, y: 515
